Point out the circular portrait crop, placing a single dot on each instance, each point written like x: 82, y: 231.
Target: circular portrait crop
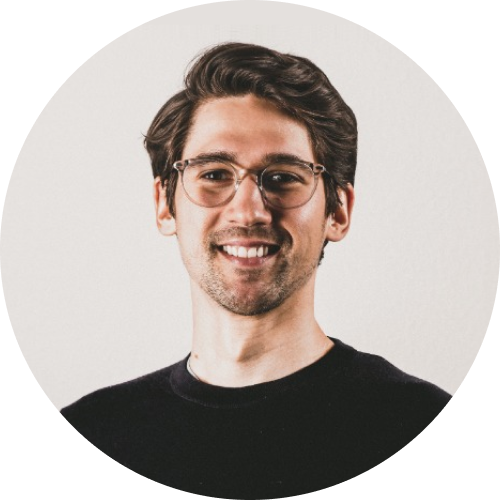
x: 249, y: 258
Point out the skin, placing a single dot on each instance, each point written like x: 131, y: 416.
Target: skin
x: 253, y: 319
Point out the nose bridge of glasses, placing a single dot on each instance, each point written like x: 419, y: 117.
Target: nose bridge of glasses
x: 254, y: 175
x: 242, y: 173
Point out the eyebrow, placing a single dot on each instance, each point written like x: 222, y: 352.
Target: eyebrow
x: 283, y: 158
x: 215, y: 156
x: 267, y: 159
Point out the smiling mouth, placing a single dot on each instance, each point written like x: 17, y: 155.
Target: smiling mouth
x: 249, y: 252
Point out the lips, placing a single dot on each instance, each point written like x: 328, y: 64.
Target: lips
x: 246, y: 252
x: 249, y: 246
x: 249, y: 251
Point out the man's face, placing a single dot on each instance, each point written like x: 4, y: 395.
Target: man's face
x: 248, y: 128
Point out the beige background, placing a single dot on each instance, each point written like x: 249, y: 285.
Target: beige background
x: 97, y: 297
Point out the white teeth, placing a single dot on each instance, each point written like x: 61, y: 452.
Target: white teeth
x: 246, y: 252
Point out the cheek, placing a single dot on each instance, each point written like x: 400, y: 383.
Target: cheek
x: 308, y: 236
x: 193, y: 227
x: 186, y: 226
x: 309, y: 221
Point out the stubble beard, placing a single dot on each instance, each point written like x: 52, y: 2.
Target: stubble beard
x: 260, y: 292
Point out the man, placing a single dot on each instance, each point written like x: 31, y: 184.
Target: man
x: 254, y: 168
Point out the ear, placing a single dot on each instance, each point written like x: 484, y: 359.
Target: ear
x: 337, y: 225
x: 164, y: 219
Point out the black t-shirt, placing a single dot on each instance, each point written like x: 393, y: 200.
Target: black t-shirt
x: 318, y: 427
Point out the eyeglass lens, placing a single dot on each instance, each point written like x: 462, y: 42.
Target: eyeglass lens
x: 284, y: 185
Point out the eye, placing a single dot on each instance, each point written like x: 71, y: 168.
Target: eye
x: 212, y: 173
x: 285, y: 177
x: 216, y: 175
x: 281, y: 178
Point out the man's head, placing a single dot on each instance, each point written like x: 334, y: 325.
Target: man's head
x: 295, y: 85
x: 259, y: 115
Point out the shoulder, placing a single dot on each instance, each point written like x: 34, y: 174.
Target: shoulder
x: 373, y: 378
x: 114, y: 404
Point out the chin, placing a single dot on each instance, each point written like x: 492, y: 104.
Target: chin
x: 248, y: 306
x: 249, y: 309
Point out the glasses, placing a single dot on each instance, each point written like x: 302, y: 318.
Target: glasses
x: 212, y: 182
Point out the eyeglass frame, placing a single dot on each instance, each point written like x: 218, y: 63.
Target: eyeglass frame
x: 316, y: 169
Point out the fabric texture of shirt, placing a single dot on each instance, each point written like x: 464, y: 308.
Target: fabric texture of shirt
x: 318, y: 427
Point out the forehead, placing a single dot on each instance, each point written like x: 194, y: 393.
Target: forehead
x: 249, y: 128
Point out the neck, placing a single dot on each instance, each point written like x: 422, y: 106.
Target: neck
x: 230, y: 350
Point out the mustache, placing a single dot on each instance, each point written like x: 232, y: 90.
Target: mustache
x: 273, y: 235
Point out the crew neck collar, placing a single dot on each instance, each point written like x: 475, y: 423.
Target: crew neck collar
x: 196, y: 391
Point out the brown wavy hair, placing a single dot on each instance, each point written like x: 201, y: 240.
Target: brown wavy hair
x: 293, y: 84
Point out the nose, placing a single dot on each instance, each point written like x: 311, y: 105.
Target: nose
x: 248, y: 208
